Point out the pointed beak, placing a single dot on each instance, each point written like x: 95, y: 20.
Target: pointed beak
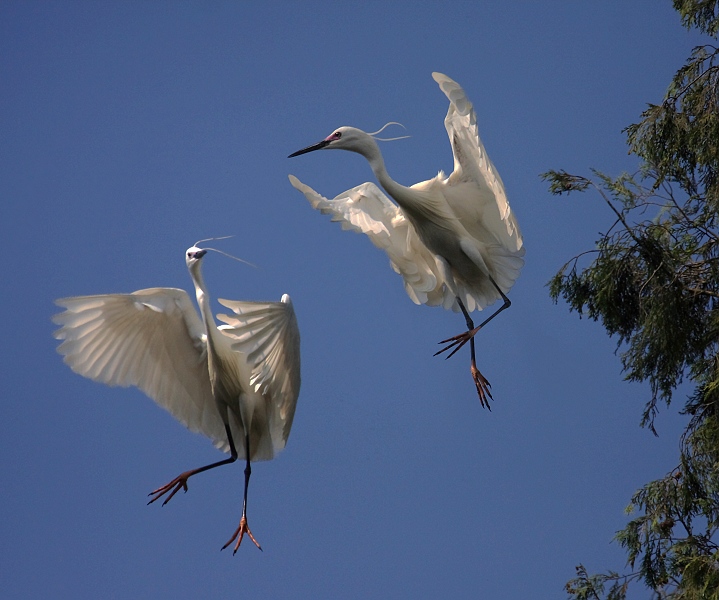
x: 317, y: 146
x: 200, y: 253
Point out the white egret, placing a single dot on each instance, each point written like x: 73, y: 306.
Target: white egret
x: 454, y: 240
x: 239, y: 381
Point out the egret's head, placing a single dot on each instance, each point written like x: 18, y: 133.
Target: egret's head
x: 342, y: 138
x: 193, y: 256
x: 347, y: 138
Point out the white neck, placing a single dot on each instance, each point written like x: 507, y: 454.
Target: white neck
x: 421, y: 207
x: 203, y: 301
x: 401, y: 194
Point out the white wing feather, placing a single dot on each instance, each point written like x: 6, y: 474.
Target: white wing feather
x: 152, y: 339
x: 472, y: 163
x: 366, y: 209
x: 268, y: 334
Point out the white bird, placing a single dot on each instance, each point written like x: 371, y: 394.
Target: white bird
x: 239, y: 381
x: 454, y: 240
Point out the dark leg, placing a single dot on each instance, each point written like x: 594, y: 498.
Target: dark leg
x: 480, y: 381
x: 242, y: 528
x: 457, y: 341
x: 180, y: 482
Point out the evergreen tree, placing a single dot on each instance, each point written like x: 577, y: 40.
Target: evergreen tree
x: 653, y: 283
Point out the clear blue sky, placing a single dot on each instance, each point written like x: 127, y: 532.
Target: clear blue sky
x: 130, y: 130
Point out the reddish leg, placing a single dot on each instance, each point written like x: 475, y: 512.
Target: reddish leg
x: 180, y: 482
x: 242, y: 528
x: 456, y: 342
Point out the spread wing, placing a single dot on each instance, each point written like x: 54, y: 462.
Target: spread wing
x: 365, y: 209
x: 472, y: 165
x: 267, y: 333
x: 152, y: 339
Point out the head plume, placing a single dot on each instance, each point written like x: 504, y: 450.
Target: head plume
x: 224, y: 237
x: 381, y: 129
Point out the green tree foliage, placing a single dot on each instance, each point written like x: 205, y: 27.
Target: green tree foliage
x: 653, y: 283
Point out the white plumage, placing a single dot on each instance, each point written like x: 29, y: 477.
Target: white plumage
x: 454, y: 240
x: 240, y: 380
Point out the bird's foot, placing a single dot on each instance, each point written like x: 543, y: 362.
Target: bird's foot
x: 177, y: 484
x: 456, y: 342
x: 241, y: 530
x: 483, y: 387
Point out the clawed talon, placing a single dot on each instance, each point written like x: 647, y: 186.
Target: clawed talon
x: 483, y: 387
x: 178, y: 483
x: 240, y: 531
x: 455, y: 342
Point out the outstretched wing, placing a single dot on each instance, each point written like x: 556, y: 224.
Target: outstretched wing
x: 267, y: 333
x: 151, y: 339
x: 472, y: 164
x: 365, y: 209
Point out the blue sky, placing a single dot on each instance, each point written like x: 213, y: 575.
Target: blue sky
x: 130, y: 130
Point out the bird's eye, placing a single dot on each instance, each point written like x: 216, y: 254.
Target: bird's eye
x: 337, y: 135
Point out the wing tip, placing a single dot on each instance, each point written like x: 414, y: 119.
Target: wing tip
x: 445, y: 82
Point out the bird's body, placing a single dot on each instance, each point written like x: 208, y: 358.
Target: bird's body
x: 238, y: 381
x: 454, y: 239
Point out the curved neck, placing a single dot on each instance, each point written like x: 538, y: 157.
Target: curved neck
x: 407, y: 199
x: 402, y: 195
x: 421, y: 207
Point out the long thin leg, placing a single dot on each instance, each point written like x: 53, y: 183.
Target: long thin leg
x: 480, y: 381
x: 457, y: 341
x: 180, y: 482
x: 242, y: 528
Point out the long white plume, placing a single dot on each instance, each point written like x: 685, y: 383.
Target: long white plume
x: 381, y: 129
x: 224, y: 237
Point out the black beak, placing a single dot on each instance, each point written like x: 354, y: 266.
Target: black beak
x: 200, y: 253
x: 317, y: 146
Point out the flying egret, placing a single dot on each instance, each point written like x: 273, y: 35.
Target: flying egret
x: 454, y: 240
x: 239, y: 381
